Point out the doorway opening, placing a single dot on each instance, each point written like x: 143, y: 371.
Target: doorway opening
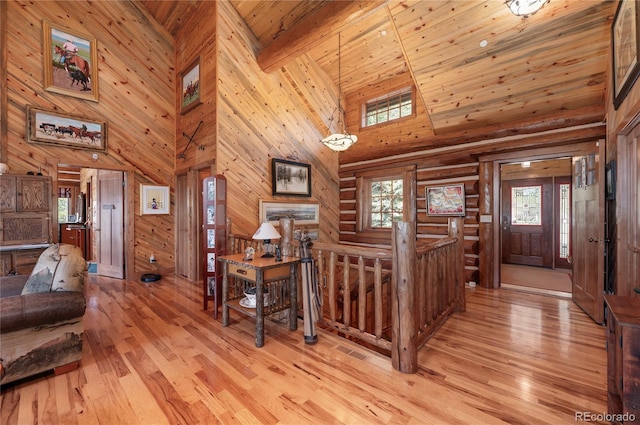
x: 535, y: 231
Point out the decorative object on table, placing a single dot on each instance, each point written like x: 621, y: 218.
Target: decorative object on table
x: 304, y: 213
x: 290, y: 178
x: 339, y: 141
x: 311, y: 298
x: 250, y: 297
x: 214, y: 238
x: 154, y: 199
x: 625, y: 36
x: 266, y: 232
x: 278, y: 253
x: 70, y: 62
x: 445, y: 200
x: 58, y: 129
x: 191, y: 88
x: 249, y: 253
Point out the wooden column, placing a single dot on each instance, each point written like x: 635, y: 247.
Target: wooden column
x: 456, y: 230
x: 486, y: 226
x: 404, y: 348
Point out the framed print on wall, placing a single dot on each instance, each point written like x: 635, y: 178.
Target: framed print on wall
x: 302, y: 212
x: 290, y: 178
x: 190, y: 87
x: 154, y: 199
x: 625, y: 37
x: 70, y: 62
x: 57, y: 129
x: 445, y: 200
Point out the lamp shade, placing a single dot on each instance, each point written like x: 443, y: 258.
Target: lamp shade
x: 340, y: 142
x: 266, y: 231
x: 525, y: 7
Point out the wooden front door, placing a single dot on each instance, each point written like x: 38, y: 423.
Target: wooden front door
x: 527, y: 222
x: 587, y: 241
x: 110, y: 224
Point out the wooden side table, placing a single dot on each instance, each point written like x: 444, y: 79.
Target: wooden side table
x: 275, y: 283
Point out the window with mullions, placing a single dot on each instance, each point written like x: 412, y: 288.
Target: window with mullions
x: 386, y: 203
x: 382, y: 198
x: 526, y: 206
x: 389, y: 107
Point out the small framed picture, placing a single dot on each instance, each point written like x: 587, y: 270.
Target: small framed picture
x: 610, y: 180
x: 625, y: 36
x: 290, y: 178
x: 445, y: 200
x: 70, y: 62
x: 191, y: 89
x: 154, y: 199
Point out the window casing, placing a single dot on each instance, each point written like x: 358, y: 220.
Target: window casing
x: 382, y: 197
x: 390, y: 107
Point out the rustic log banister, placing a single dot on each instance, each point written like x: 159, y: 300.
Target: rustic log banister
x: 392, y: 299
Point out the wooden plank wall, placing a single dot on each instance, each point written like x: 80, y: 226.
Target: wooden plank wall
x: 263, y: 116
x: 137, y: 85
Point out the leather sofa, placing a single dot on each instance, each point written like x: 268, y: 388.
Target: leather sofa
x: 41, y: 315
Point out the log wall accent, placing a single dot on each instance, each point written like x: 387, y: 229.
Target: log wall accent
x: 451, y: 165
x: 136, y: 98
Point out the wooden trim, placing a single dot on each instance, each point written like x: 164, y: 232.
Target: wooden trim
x: 129, y: 204
x: 3, y: 82
x: 489, y: 183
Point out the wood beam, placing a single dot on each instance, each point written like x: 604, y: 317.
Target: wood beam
x: 311, y: 30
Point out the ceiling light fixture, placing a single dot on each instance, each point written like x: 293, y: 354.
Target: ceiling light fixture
x: 339, y: 141
x: 525, y: 7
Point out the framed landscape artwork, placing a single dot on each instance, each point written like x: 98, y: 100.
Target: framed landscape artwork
x: 290, y: 178
x: 190, y: 84
x: 445, y: 200
x: 70, y: 62
x: 625, y: 36
x: 304, y: 213
x: 57, y: 129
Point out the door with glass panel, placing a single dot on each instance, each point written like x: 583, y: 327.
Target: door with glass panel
x: 527, y: 222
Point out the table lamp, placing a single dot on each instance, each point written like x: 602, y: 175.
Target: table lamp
x: 266, y: 232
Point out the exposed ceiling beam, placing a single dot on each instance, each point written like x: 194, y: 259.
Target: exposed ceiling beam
x: 310, y: 31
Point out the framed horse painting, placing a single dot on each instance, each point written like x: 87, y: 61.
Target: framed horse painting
x: 58, y: 129
x: 70, y: 62
x: 190, y: 87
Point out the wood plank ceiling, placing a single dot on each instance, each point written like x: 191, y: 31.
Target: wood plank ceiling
x: 554, y: 63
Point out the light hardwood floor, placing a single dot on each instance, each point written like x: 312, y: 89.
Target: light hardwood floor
x: 153, y: 356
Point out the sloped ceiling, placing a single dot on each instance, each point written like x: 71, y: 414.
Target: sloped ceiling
x: 554, y: 63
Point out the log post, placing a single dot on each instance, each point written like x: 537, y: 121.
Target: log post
x: 456, y: 230
x: 404, y: 348
x: 287, y: 241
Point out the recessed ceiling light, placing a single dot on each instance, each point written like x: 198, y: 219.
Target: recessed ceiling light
x: 383, y: 33
x: 484, y: 43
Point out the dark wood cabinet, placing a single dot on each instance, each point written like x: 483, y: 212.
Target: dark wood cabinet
x: 25, y: 207
x: 214, y: 237
x: 74, y: 234
x: 623, y: 358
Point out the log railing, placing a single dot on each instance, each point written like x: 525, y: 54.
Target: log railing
x: 391, y: 299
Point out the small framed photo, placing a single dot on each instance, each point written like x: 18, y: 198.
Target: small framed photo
x: 191, y: 89
x: 290, y: 178
x: 445, y: 200
x: 303, y: 213
x: 57, y: 129
x: 610, y: 180
x: 70, y: 62
x: 625, y: 36
x: 154, y: 199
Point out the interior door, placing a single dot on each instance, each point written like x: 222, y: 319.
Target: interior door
x: 110, y: 224
x: 527, y: 222
x: 587, y: 239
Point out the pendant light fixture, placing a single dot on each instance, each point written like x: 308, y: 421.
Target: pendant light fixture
x: 339, y: 141
x: 525, y: 7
